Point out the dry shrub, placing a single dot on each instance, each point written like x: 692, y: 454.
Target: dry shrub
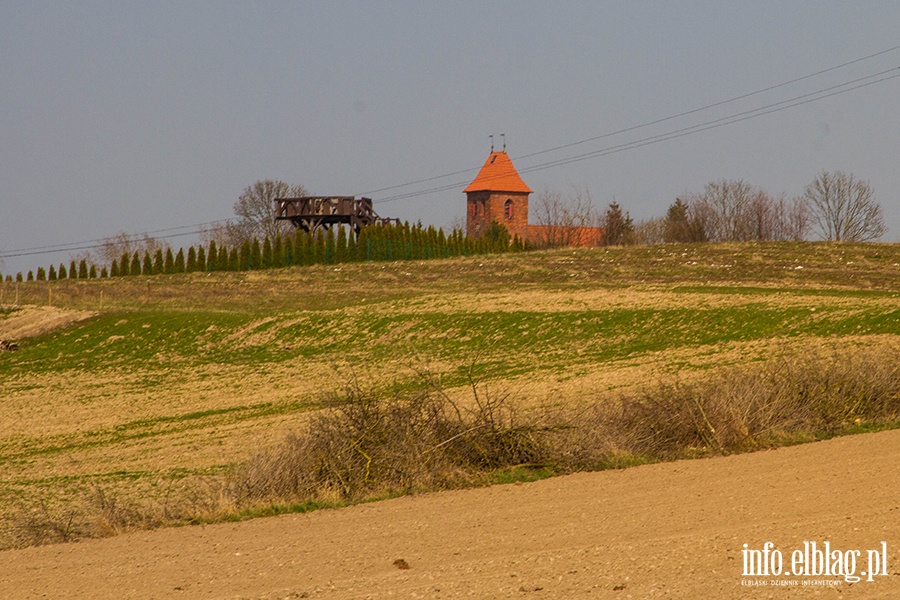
x: 109, y: 515
x: 366, y: 445
x: 814, y: 393
x: 41, y: 524
x: 369, y: 444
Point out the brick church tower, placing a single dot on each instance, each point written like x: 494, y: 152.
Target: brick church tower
x: 497, y: 194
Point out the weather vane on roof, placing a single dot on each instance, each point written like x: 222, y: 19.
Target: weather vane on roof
x: 492, y: 141
x: 503, y: 135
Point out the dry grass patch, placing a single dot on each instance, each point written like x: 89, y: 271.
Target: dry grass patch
x: 368, y: 444
x: 31, y: 321
x: 373, y: 443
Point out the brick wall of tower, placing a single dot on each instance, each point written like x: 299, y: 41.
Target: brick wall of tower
x: 484, y: 207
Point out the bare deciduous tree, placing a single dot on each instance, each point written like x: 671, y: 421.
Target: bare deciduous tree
x: 224, y: 233
x: 255, y: 208
x: 735, y: 211
x: 844, y: 208
x: 650, y: 231
x: 561, y: 219
x: 114, y: 247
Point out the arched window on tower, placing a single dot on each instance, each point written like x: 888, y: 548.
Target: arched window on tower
x: 508, y: 209
x: 474, y: 210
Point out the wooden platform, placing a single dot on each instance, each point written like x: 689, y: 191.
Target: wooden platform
x: 310, y: 213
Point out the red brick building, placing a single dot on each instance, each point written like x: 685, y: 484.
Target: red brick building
x: 498, y: 194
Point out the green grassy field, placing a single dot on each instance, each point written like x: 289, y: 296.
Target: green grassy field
x: 165, y: 380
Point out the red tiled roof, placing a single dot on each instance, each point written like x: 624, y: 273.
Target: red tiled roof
x: 497, y: 175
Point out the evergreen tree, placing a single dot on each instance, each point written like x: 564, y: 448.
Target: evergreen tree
x: 618, y: 228
x: 496, y: 238
x: 363, y: 245
x: 159, y: 264
x: 340, y: 245
x: 124, y: 263
x: 191, y: 264
x: 234, y: 259
x: 41, y: 274
x: 92, y: 272
x: 680, y: 226
x: 201, y: 258
x: 319, y: 246
x: 244, y: 256
x: 330, y: 247
x: 225, y: 262
x: 178, y: 266
x: 103, y: 273
x: 82, y: 269
x: 135, y: 268
x: 255, y: 254
x: 147, y: 266
x: 309, y: 248
x: 214, y: 263
x: 62, y: 271
x: 51, y: 275
x: 299, y: 253
x: 278, y: 252
x: 73, y: 270
x: 266, y: 261
x: 169, y: 264
x: 351, y: 245
x: 30, y: 276
x: 288, y: 253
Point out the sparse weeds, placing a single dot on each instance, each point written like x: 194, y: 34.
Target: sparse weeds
x: 369, y: 444
x: 38, y: 524
x: 366, y: 444
x: 169, y: 359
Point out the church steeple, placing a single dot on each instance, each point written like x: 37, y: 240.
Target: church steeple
x: 498, y: 175
x: 497, y: 194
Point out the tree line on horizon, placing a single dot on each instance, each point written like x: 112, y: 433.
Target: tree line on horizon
x: 331, y: 246
x: 837, y: 205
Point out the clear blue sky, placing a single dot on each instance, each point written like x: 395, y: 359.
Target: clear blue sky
x: 137, y: 116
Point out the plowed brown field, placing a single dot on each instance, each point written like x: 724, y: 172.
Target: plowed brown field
x: 673, y: 530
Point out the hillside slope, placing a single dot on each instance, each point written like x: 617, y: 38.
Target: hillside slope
x: 146, y: 391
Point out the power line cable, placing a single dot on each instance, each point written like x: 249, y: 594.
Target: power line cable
x: 713, y: 105
x: 131, y: 237
x: 88, y: 246
x: 735, y: 118
x: 651, y: 123
x: 728, y: 120
x: 715, y: 123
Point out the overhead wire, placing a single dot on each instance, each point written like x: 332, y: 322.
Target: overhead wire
x: 685, y: 131
x: 705, y: 126
x: 650, y: 123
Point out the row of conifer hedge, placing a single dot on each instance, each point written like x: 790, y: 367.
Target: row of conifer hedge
x: 333, y: 246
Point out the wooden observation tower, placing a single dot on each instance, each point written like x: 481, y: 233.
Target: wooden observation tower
x: 311, y: 213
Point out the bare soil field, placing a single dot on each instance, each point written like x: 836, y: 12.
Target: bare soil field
x: 672, y: 530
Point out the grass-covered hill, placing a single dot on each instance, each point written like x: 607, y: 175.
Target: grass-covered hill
x: 131, y: 400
